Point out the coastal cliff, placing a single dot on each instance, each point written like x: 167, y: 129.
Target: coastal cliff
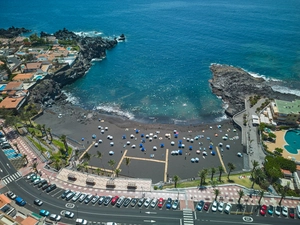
x: 90, y: 48
x: 234, y: 84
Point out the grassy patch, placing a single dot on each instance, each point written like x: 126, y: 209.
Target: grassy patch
x: 241, y: 179
x: 37, y: 145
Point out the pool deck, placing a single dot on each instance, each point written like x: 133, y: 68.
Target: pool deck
x: 280, y: 143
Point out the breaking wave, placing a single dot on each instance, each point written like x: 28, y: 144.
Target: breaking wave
x: 115, y: 110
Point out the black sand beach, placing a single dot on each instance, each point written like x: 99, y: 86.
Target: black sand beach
x: 158, y: 165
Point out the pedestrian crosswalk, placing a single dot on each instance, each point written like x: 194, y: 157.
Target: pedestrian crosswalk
x: 10, y: 178
x: 188, y: 217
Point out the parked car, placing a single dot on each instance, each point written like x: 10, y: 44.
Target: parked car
x: 69, y: 214
x: 214, y: 206
x: 228, y: 208
x: 51, y: 188
x: 175, y: 204
x: 88, y: 199
x: 101, y: 200
x: 55, y: 217
x: 221, y: 206
x: 154, y: 202
x: 82, y: 197
x: 95, y: 199
x: 44, y: 212
x: 169, y: 203
x: 114, y: 200
x: 127, y: 202
x: 76, y: 196
x: 271, y: 209
x: 38, y: 202
x: 284, y: 211
x: 107, y: 200
x: 120, y: 201
x: 70, y: 195
x: 141, y: 202
x: 65, y: 193
x: 200, y: 205
x: 160, y: 203
x: 42, y: 183
x: 37, y: 181
x: 263, y: 210
x: 11, y: 195
x: 206, y: 206
x: 34, y: 177
x: 30, y: 175
x: 278, y: 210
x: 134, y: 201
x: 147, y: 202
x: 81, y: 221
x: 45, y: 186
x: 292, y: 212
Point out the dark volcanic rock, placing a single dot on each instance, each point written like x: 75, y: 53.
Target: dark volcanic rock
x: 12, y: 32
x: 234, y: 85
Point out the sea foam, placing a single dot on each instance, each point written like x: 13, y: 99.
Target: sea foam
x: 285, y: 90
x: 70, y: 98
x: 115, y: 110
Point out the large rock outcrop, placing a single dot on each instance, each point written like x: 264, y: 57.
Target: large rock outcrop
x: 233, y: 85
x: 12, y: 32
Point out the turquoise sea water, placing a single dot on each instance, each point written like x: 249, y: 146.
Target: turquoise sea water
x: 162, y: 69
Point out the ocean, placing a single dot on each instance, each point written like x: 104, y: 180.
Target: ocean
x: 161, y: 72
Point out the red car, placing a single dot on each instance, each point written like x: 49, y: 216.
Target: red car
x: 160, y: 202
x: 206, y: 206
x: 291, y: 212
x: 114, y: 200
x: 263, y: 210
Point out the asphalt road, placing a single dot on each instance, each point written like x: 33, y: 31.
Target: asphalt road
x: 5, y: 166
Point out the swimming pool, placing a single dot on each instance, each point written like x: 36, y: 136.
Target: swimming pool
x: 292, y: 138
x: 2, y: 87
x: 38, y: 77
x: 14, y: 156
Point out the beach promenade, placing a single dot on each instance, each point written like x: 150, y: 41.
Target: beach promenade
x: 187, y: 196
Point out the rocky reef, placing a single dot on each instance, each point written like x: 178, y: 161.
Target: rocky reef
x: 90, y: 48
x: 234, y: 84
x: 12, y: 32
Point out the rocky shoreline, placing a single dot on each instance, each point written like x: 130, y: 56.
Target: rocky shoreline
x: 234, y: 84
x: 50, y: 89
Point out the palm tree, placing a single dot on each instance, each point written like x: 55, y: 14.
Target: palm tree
x: 112, y: 163
x: 87, y: 156
x: 50, y: 134
x: 231, y: 167
x: 283, y: 194
x: 25, y: 157
x: 221, y: 170
x: 217, y: 192
x: 241, y: 194
x: 44, y: 129
x: 39, y: 127
x: 57, y: 163
x: 79, y: 166
x: 99, y: 155
x: 76, y: 153
x: 63, y: 138
x: 127, y: 162
x: 261, y: 195
x: 86, y: 166
x: 117, y: 171
x: 213, y: 171
x: 98, y: 170
x: 34, y: 166
x: 258, y: 176
x: 202, y: 174
x: 176, y: 179
x: 16, y: 145
x: 254, y: 165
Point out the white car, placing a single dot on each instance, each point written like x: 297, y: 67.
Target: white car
x: 239, y: 154
x: 69, y: 214
x: 214, y: 206
x: 284, y: 211
x: 228, y: 208
x: 153, y: 203
x: 55, y: 217
x: 278, y: 210
x: 147, y: 202
x: 221, y: 206
x: 81, y: 221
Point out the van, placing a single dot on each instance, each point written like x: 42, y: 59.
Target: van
x: 20, y: 201
x: 298, y: 211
